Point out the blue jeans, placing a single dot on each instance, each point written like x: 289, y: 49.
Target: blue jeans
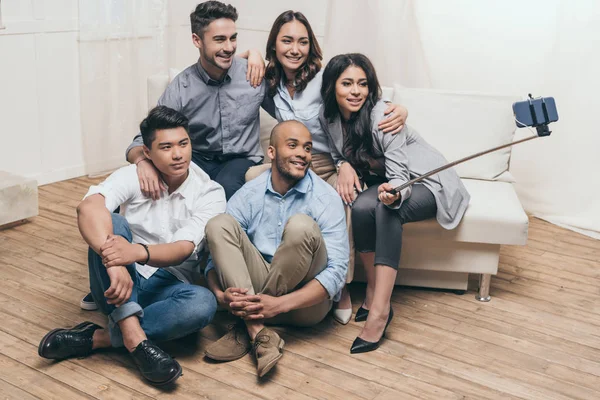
x: 167, y: 308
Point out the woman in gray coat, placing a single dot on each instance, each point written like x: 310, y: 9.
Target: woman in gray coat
x: 365, y: 156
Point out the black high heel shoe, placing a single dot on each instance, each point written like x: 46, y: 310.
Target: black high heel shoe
x: 362, y: 346
x: 361, y: 314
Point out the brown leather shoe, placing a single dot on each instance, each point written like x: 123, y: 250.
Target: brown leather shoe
x: 233, y: 345
x: 268, y: 349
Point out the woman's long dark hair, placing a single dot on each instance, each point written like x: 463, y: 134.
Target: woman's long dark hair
x: 306, y: 72
x: 358, y: 146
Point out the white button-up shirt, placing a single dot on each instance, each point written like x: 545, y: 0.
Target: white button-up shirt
x: 181, y: 215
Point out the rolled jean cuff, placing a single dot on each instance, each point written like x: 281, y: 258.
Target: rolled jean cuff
x: 386, y: 261
x: 119, y: 314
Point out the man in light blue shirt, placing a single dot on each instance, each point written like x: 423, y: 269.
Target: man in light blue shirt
x: 280, y: 253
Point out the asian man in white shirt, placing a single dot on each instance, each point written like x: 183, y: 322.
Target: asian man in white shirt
x: 142, y: 263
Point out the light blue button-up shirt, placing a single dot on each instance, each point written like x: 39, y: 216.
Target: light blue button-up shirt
x: 262, y: 213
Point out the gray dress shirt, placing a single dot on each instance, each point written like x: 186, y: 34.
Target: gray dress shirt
x: 407, y: 155
x: 224, y: 115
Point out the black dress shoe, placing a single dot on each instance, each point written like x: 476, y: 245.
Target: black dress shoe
x: 361, y: 314
x: 63, y: 343
x: 362, y: 346
x: 155, y: 365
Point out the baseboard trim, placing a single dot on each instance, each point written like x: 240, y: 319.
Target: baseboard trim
x: 76, y: 171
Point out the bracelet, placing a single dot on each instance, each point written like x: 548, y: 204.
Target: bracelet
x: 140, y: 160
x: 147, y: 252
x: 338, y: 165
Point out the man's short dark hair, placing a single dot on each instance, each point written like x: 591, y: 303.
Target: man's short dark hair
x: 207, y: 12
x: 161, y: 117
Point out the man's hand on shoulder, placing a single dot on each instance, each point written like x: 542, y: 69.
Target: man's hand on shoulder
x: 150, y: 182
x: 117, y: 251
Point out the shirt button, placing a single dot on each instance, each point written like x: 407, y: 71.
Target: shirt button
x: 279, y: 223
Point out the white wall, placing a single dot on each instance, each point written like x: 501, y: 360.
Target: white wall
x: 121, y: 44
x: 58, y: 121
x: 39, y: 90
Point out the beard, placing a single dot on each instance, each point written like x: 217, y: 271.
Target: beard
x: 285, y: 171
x: 218, y: 62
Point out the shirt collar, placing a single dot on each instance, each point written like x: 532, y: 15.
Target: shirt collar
x: 186, y: 189
x: 210, y: 81
x: 302, y: 186
x: 283, y: 92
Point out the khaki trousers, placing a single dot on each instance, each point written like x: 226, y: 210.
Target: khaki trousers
x: 299, y: 258
x: 322, y: 165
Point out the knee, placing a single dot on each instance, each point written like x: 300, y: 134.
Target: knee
x: 381, y: 208
x: 255, y: 171
x: 301, y: 227
x: 363, y: 209
x: 201, y: 306
x: 219, y: 224
x: 121, y: 226
x: 384, y: 213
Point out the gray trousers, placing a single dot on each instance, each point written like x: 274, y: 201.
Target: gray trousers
x: 378, y: 228
x: 299, y: 258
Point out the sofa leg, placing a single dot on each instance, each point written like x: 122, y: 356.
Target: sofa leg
x: 484, y: 288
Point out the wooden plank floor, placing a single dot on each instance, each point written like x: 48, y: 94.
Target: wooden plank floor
x: 539, y: 337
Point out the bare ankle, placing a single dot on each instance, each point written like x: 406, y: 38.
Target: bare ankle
x: 380, y: 311
x: 132, y: 332
x: 254, y: 328
x: 345, y: 300
x: 101, y: 339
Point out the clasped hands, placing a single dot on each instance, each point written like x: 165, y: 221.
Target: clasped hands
x: 250, y: 306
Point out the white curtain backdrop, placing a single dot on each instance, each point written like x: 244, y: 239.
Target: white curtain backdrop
x: 514, y: 47
x: 121, y: 43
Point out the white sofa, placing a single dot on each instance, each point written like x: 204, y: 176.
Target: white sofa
x: 457, y: 124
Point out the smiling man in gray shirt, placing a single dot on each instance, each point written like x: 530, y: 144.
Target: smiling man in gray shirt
x: 222, y: 106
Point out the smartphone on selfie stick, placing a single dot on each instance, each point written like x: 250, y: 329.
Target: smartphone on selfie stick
x: 534, y: 112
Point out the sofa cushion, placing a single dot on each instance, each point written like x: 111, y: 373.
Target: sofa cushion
x: 476, y: 122
x: 156, y: 87
x: 494, y: 215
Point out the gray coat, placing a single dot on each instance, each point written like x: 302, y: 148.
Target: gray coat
x: 407, y: 155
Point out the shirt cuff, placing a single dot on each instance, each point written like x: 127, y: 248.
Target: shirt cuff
x: 110, y: 204
x: 328, y: 281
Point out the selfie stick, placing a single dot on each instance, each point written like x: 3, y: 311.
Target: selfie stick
x: 542, y: 130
